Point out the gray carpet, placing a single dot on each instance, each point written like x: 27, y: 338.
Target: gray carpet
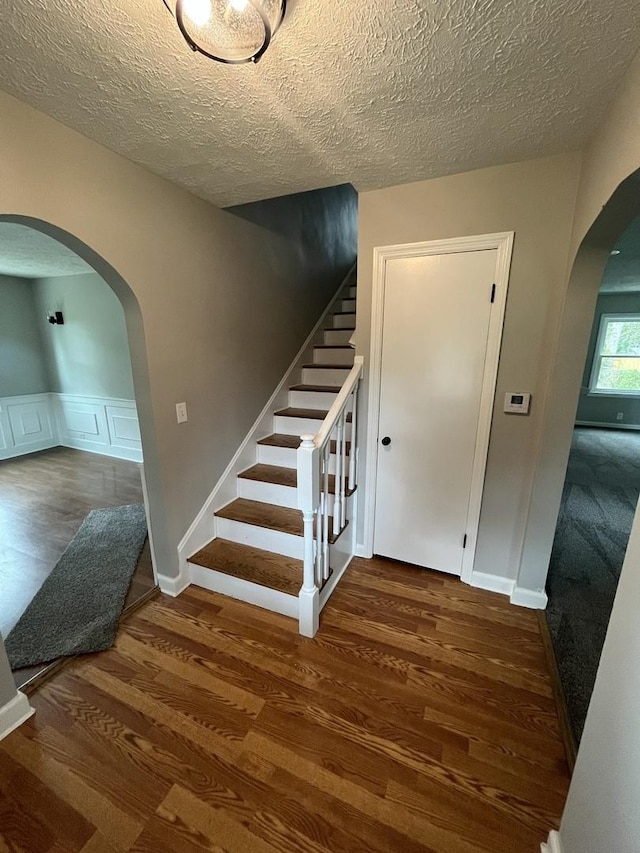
x: 598, y: 504
x: 77, y: 608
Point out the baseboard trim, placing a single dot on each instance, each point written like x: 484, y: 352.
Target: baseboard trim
x: 361, y: 551
x: 553, y: 844
x: 14, y: 714
x: 174, y: 586
x: 251, y: 593
x: 534, y: 599
x: 332, y: 583
x: 607, y: 425
x: 202, y: 530
x: 492, y: 583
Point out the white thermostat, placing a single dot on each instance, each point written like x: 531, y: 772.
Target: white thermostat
x: 517, y: 402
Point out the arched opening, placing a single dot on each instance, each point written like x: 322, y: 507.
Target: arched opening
x: 147, y: 490
x: 573, y: 390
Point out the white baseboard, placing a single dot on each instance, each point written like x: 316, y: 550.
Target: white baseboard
x: 334, y: 580
x: 607, y: 424
x: 252, y: 593
x: 14, y: 713
x: 174, y: 586
x: 535, y: 599
x: 492, y: 583
x: 553, y: 845
x: 202, y: 530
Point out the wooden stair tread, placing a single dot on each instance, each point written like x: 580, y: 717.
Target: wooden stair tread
x: 280, y: 518
x: 276, y: 474
x: 329, y: 389
x: 252, y: 564
x: 291, y: 441
x: 313, y: 414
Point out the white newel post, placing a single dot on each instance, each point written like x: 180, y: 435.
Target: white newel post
x: 308, y: 500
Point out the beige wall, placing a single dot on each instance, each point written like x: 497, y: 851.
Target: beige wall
x: 602, y: 809
x: 216, y: 306
x: 536, y: 200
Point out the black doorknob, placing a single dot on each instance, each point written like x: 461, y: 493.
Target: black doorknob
x: 386, y: 441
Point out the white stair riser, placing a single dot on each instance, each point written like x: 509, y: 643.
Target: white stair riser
x: 333, y: 356
x: 348, y: 305
x: 287, y: 457
x: 337, y: 336
x: 322, y: 400
x: 300, y: 426
x: 344, y: 321
x: 324, y: 376
x: 352, y: 292
x: 271, y: 493
x: 260, y: 537
x: 268, y: 493
x: 241, y: 590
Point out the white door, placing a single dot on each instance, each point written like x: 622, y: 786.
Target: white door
x: 437, y: 311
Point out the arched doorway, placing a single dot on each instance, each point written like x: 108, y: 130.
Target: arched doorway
x: 567, y: 377
x: 120, y: 292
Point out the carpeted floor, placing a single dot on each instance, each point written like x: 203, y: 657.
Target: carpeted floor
x: 77, y: 608
x: 598, y: 504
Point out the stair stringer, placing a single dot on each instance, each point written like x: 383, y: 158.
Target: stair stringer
x: 203, y: 529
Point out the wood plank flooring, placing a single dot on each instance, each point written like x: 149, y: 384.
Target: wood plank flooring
x: 420, y: 718
x: 44, y: 498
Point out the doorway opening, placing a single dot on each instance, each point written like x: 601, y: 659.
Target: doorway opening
x: 73, y: 517
x: 602, y: 482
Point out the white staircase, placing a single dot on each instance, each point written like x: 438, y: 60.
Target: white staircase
x: 259, y: 550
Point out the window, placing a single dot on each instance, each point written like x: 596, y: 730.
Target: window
x: 616, y: 363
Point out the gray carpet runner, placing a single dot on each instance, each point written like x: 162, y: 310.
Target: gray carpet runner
x: 77, y: 608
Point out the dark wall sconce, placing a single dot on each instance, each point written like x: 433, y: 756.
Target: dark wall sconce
x: 56, y: 318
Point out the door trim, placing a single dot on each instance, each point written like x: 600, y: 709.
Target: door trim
x: 503, y: 242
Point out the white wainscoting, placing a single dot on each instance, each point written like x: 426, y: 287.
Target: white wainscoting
x: 97, y: 424
x: 26, y: 425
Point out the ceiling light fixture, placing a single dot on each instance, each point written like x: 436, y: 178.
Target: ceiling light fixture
x: 616, y: 252
x: 229, y: 31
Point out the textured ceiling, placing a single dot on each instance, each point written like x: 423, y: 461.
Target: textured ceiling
x: 622, y: 273
x: 30, y: 254
x: 372, y: 92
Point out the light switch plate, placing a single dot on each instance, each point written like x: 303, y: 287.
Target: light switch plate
x: 181, y: 413
x: 517, y: 402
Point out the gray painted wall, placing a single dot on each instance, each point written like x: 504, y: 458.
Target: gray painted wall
x: 22, y: 362
x: 89, y: 354
x: 597, y: 408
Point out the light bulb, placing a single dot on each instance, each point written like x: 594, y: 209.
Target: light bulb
x: 239, y: 5
x: 199, y: 11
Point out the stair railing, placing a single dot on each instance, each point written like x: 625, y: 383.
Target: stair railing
x: 315, y: 494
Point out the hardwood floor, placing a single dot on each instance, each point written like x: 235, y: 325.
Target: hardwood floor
x: 44, y: 498
x: 420, y: 718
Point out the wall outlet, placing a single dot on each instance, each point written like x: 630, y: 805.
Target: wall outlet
x: 620, y: 416
x: 181, y: 413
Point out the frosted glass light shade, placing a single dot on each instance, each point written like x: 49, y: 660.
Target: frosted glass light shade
x: 230, y: 31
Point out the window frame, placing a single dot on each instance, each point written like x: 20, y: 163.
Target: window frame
x: 596, y: 363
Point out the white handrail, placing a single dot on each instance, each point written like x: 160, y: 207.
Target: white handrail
x: 316, y: 500
x: 323, y: 434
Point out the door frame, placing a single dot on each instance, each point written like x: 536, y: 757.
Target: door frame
x: 503, y: 243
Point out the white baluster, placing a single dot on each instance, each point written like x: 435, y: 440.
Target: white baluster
x: 354, y: 439
x: 341, y: 482
x: 339, y: 494
x: 325, y: 517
